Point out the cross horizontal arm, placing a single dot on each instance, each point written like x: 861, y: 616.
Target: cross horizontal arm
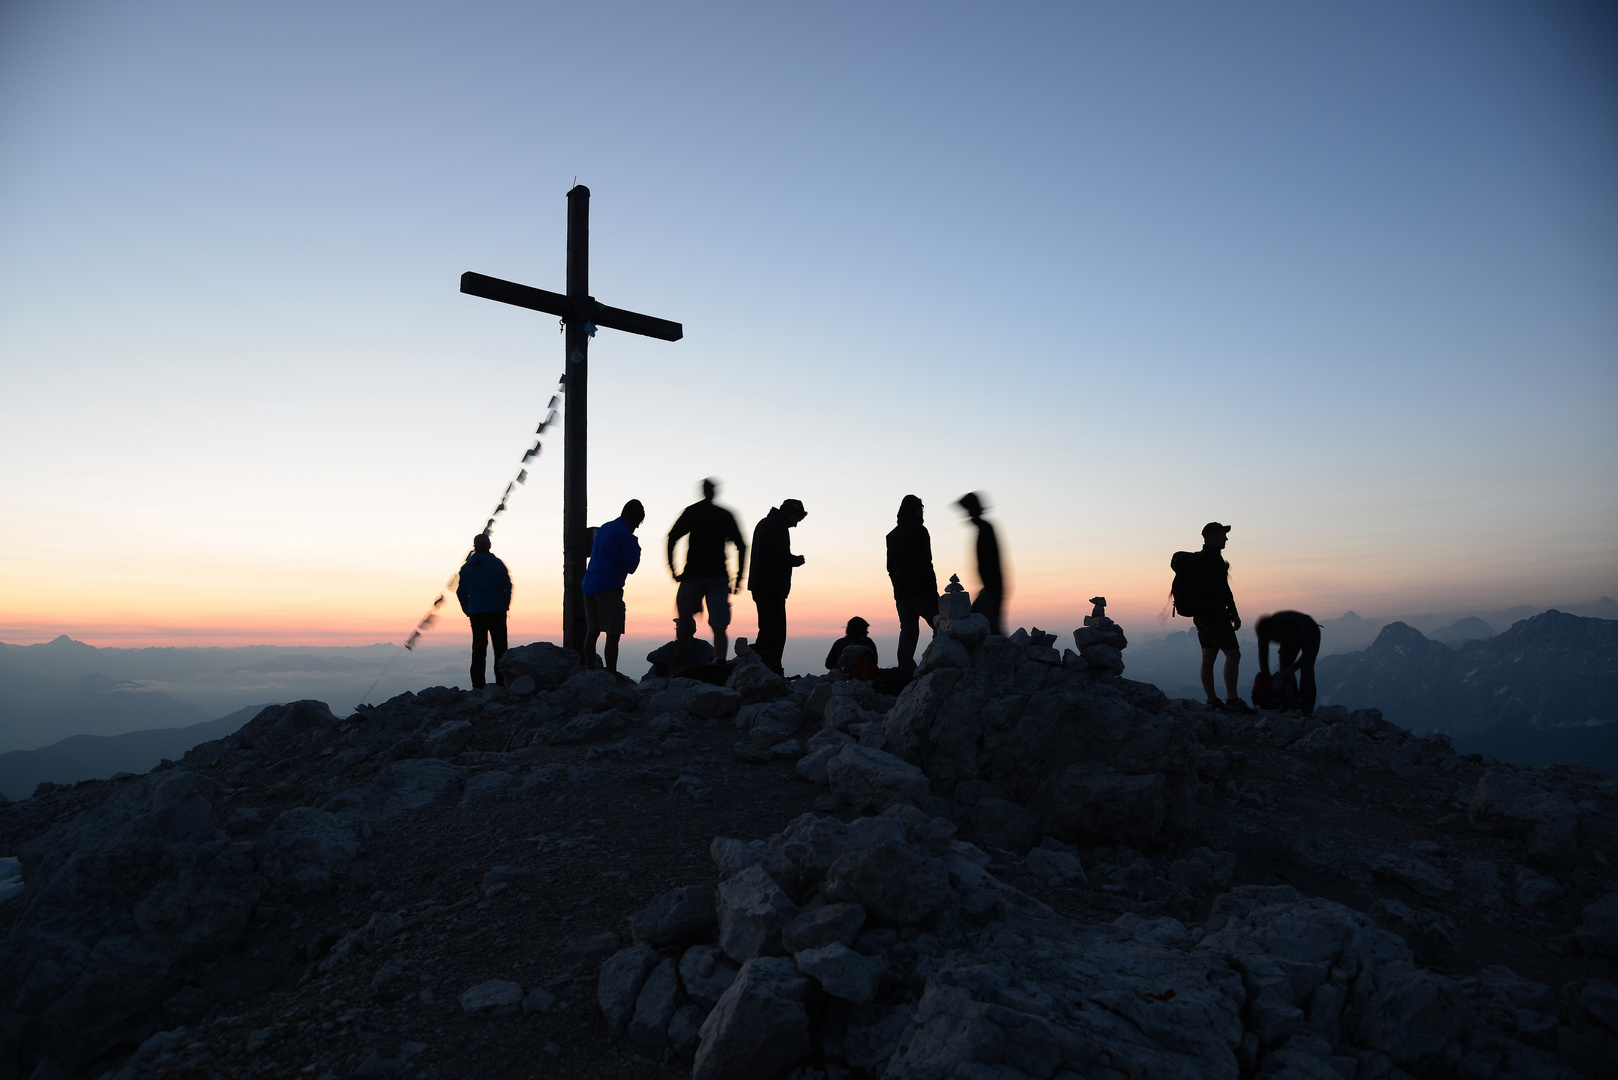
x: 634, y: 323
x: 509, y: 292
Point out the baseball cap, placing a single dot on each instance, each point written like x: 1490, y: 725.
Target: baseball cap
x: 794, y: 505
x: 1214, y: 527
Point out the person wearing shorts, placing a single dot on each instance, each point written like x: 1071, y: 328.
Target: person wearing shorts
x: 614, y: 555
x: 1217, y: 620
x: 707, y: 527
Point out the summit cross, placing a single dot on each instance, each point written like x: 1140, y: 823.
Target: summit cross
x: 581, y: 313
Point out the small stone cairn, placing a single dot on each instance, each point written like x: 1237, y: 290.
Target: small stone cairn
x: 1100, y: 643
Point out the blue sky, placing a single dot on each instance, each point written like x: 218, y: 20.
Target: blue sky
x: 1342, y: 277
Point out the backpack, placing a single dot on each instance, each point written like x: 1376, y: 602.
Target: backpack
x: 858, y: 662
x: 1188, y: 589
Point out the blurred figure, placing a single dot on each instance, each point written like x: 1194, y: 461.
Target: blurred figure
x: 706, y: 576
x: 770, y: 579
x: 915, y: 586
x: 1297, y: 639
x: 991, y: 597
x: 614, y: 555
x: 858, y: 634
x: 485, y: 595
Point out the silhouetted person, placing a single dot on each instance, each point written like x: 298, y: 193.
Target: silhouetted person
x: 915, y: 586
x: 1215, y: 617
x: 858, y: 632
x: 1297, y: 639
x: 485, y: 595
x: 706, y: 577
x: 770, y: 579
x: 991, y: 597
x: 614, y: 555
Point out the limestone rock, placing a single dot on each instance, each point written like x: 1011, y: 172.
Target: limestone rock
x: 677, y: 917
x: 620, y: 982
x: 1598, y: 928
x: 752, y: 911
x: 1548, y: 821
x: 685, y: 1031
x: 893, y: 881
x: 1534, y: 890
x: 1055, y: 865
x: 842, y: 972
x: 871, y: 779
x: 449, y: 738
x: 278, y: 725
x: 306, y: 849
x: 753, y: 680
x: 773, y: 720
x: 654, y: 1007
x: 497, y: 997
x: 712, y: 702
x: 760, y: 1027
x: 548, y: 665
x: 943, y: 652
x: 1413, y: 873
x: 706, y: 973
x: 1092, y: 802
x: 822, y: 926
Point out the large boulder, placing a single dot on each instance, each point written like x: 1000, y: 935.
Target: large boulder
x: 548, y: 665
x: 760, y: 1028
x: 871, y: 779
x: 305, y: 850
x: 752, y: 911
x: 277, y: 725
x: 619, y: 985
x: 677, y: 917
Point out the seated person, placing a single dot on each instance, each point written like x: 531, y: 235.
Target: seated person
x: 858, y: 632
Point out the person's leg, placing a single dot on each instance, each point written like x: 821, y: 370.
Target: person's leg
x: 612, y: 652
x: 1208, y: 655
x: 988, y: 604
x: 909, y: 634
x: 685, y: 622
x: 1233, y: 664
x: 719, y: 617
x: 480, y: 650
x: 497, y: 634
x: 1306, y: 676
x: 772, y: 628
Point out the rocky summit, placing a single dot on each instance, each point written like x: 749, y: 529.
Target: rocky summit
x: 1023, y: 865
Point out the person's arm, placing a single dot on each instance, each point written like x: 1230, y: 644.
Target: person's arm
x: 681, y: 527
x: 630, y: 552
x: 1264, y: 656
x: 741, y: 553
x: 836, y: 648
x: 505, y: 586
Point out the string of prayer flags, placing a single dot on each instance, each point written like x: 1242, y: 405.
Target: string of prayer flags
x: 431, y: 617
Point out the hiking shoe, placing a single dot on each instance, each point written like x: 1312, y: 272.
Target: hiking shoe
x: 1215, y: 705
x: 1237, y: 705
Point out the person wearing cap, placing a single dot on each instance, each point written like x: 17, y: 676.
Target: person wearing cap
x: 915, y: 585
x: 1216, y: 619
x: 857, y: 632
x: 770, y: 579
x: 992, y: 596
x: 484, y: 590
x: 614, y: 555
x: 1297, y: 641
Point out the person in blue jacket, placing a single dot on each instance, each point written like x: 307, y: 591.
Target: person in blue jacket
x: 485, y: 595
x: 614, y: 555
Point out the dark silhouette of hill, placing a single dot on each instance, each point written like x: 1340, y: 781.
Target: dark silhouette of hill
x: 1461, y: 631
x: 97, y: 757
x: 1546, y: 689
x: 36, y: 710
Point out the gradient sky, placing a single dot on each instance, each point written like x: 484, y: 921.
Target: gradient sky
x: 1343, y: 276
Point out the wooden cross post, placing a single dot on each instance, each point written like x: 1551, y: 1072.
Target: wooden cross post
x: 581, y: 314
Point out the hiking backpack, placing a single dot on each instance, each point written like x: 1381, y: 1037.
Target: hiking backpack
x: 1188, y: 588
